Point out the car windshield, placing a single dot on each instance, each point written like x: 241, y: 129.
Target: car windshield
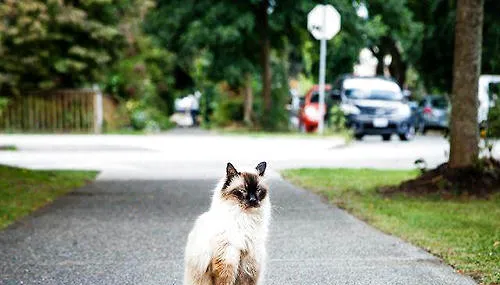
x: 440, y: 103
x: 315, y: 97
x: 329, y: 97
x: 373, y: 94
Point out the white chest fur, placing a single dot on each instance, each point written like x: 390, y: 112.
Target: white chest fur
x: 230, y: 233
x: 227, y: 245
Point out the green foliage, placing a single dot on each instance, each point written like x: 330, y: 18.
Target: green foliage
x: 277, y: 118
x: 493, y: 130
x: 494, y: 122
x: 435, y: 61
x: 147, y: 111
x: 49, y: 44
x: 392, y: 30
x: 143, y: 75
x: 337, y: 119
x: 491, y: 38
x: 3, y: 104
x: 228, y: 111
x: 227, y: 37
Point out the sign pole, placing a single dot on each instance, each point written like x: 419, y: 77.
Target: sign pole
x: 322, y: 65
x: 323, y: 21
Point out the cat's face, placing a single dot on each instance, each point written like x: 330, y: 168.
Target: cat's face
x: 245, y: 188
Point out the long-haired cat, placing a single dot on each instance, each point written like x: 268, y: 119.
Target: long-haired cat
x: 227, y: 245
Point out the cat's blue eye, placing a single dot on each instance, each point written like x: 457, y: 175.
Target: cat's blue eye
x: 239, y: 193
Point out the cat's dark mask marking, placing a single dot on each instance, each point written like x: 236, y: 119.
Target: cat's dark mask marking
x: 254, y: 192
x: 250, y: 193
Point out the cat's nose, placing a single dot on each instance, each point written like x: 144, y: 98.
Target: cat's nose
x: 252, y: 200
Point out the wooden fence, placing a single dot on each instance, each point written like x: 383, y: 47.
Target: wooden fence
x: 60, y: 111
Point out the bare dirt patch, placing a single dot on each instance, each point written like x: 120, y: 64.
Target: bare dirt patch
x: 479, y: 181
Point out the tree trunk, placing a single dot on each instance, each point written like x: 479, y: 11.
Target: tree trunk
x: 265, y: 61
x: 464, y: 135
x: 380, y: 63
x: 398, y: 66
x: 248, y: 108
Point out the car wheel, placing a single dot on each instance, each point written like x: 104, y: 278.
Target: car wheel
x: 386, y: 137
x: 446, y: 132
x: 421, y: 128
x: 408, y: 135
x: 358, y: 137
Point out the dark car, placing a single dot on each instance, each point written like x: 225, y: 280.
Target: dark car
x: 433, y: 113
x: 375, y: 106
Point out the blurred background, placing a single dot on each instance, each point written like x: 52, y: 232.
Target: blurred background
x: 221, y: 64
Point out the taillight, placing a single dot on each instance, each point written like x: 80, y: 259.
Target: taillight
x: 427, y: 110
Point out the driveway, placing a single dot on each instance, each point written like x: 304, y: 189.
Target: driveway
x: 130, y: 226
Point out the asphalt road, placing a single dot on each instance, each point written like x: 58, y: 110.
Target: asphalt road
x: 120, y: 154
x: 130, y: 226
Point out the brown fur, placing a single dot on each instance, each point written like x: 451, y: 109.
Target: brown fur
x: 222, y: 273
x: 248, y: 273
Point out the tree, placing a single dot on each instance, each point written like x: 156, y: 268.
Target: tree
x: 464, y: 137
x: 50, y: 44
x: 438, y: 18
x: 142, y: 76
x: 398, y: 35
x: 241, y: 39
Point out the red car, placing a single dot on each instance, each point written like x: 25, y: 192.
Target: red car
x: 309, y: 113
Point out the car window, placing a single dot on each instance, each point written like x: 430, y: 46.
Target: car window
x: 373, y: 94
x: 440, y: 102
x: 315, y: 98
x: 328, y: 97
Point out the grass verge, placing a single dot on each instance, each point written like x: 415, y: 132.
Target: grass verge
x: 464, y: 232
x: 23, y: 191
x: 8, y: 147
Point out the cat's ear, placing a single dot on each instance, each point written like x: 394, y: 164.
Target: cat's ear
x: 261, y: 168
x: 230, y: 170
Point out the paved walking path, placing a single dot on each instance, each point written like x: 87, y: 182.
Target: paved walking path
x: 133, y: 232
x: 130, y: 226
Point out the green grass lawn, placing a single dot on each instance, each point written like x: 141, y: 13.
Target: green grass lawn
x: 23, y: 191
x: 8, y: 148
x: 464, y: 232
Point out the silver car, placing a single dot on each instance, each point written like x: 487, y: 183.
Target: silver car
x: 433, y: 113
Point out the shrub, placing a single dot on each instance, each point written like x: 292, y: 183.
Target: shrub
x: 3, y: 104
x: 337, y: 122
x: 494, y: 121
x: 148, y: 112
x: 228, y: 110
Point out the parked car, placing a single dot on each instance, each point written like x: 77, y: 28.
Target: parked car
x: 485, y: 102
x: 433, y: 113
x: 309, y: 113
x: 375, y: 106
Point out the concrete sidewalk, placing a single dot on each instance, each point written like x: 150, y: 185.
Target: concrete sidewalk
x: 134, y: 231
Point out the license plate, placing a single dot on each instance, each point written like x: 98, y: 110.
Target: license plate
x: 380, y: 122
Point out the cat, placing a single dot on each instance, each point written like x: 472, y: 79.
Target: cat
x: 227, y: 245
